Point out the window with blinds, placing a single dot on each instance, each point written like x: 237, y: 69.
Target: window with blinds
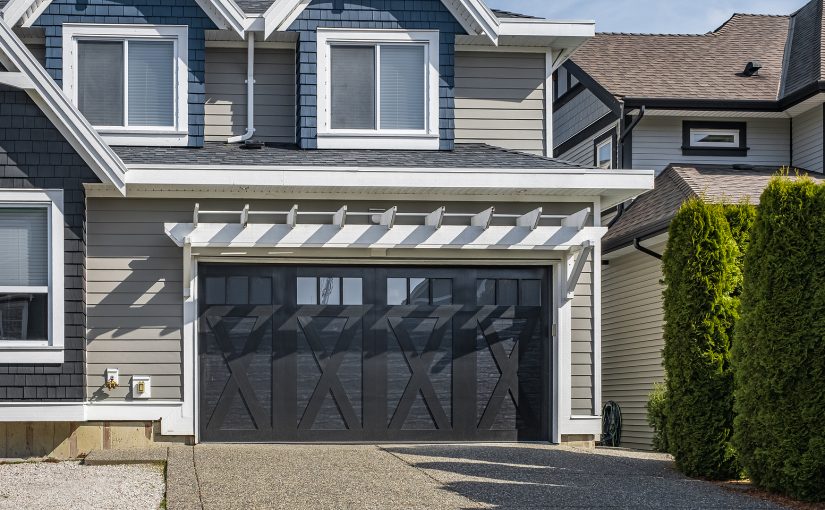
x: 24, y: 273
x: 127, y: 83
x: 379, y: 87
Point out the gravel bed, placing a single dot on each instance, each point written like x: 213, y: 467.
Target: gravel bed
x: 45, y: 485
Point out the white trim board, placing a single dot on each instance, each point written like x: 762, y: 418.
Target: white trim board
x: 56, y: 106
x: 224, y: 13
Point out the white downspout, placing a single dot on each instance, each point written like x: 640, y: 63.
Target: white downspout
x: 250, y: 93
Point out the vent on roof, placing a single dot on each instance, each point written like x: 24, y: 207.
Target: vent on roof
x: 752, y: 68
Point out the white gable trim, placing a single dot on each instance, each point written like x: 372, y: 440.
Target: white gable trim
x: 224, y: 13
x: 473, y: 15
x: 37, y: 83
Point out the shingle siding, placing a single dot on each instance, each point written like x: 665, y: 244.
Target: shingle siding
x: 808, y: 140
x: 33, y: 154
x: 139, y: 12
x: 576, y: 115
x: 372, y: 14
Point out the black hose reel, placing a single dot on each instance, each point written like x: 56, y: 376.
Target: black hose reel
x: 611, y: 424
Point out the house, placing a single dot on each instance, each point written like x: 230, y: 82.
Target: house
x: 325, y: 220
x: 715, y: 115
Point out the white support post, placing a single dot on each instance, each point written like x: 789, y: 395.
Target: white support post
x: 548, y: 104
x: 578, y: 267
x: 530, y: 220
x: 562, y: 344
x: 340, y: 217
x: 483, y: 219
x: 245, y: 216
x: 292, y: 216
x: 187, y: 267
x: 435, y: 218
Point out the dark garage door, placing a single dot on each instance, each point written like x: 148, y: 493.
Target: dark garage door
x: 373, y: 354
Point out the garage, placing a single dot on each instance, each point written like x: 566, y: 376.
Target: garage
x: 373, y: 354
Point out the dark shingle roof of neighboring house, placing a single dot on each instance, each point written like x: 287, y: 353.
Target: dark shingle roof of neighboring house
x: 217, y: 153
x: 805, y: 48
x: 500, y: 14
x: 704, y: 66
x: 652, y: 212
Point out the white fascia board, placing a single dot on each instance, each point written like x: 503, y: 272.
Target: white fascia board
x: 282, y: 13
x: 56, y: 106
x: 222, y: 12
x: 498, y: 181
x: 547, y: 28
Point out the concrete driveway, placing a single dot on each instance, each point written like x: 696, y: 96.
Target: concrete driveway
x: 433, y: 477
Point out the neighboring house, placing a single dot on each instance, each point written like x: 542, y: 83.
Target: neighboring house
x: 292, y: 221
x: 714, y: 115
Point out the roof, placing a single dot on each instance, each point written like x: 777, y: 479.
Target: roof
x: 218, y: 153
x: 651, y: 213
x: 805, y: 48
x: 253, y: 6
x: 706, y: 66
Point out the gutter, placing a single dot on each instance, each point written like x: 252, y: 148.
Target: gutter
x: 250, y: 93
x: 626, y: 131
x: 646, y: 251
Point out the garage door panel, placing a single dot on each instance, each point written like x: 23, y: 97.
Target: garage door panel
x: 373, y: 354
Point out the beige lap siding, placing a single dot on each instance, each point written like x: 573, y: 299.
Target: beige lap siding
x: 632, y: 341
x: 499, y: 100
x: 582, y: 345
x: 226, y: 94
x: 134, y: 295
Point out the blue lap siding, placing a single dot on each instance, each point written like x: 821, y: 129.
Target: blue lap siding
x: 33, y: 154
x: 138, y: 12
x: 372, y: 14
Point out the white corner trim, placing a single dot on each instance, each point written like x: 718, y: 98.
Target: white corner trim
x: 20, y: 352
x: 426, y: 139
x: 67, y: 119
x: 549, y: 93
x: 176, y: 135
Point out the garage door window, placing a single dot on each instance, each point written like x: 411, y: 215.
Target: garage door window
x: 419, y: 291
x: 332, y: 291
x: 506, y: 292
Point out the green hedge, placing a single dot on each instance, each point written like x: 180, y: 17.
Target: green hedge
x: 657, y: 416
x: 703, y: 278
x: 780, y: 343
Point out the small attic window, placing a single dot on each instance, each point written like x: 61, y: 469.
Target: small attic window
x: 723, y: 139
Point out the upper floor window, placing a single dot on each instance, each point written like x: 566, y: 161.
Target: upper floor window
x: 31, y: 276
x: 714, y: 138
x: 605, y: 150
x: 131, y: 82
x: 563, y: 82
x: 378, y: 89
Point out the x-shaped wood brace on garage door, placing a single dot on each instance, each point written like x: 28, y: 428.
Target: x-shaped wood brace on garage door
x: 329, y: 364
x: 238, y: 365
x: 419, y: 364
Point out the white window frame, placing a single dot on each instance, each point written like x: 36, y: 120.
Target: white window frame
x: 425, y: 139
x: 700, y: 132
x: 51, y: 350
x: 177, y: 135
x: 606, y: 141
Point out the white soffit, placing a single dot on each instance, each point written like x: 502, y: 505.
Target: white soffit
x: 224, y: 13
x: 31, y: 77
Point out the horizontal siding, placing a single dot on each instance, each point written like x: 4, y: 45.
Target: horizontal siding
x: 632, y: 340
x: 575, y: 115
x: 585, y: 152
x: 499, y: 100
x: 808, y: 140
x: 134, y: 300
x: 226, y: 96
x: 657, y: 142
x: 582, y: 345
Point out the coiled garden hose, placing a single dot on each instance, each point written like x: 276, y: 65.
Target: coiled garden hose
x: 611, y: 424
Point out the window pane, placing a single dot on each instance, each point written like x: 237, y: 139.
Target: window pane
x: 561, y: 82
x: 396, y: 291
x: 605, y: 155
x: 237, y: 290
x: 151, y: 83
x: 442, y: 291
x: 353, y: 291
x: 100, y: 82
x: 353, y: 87
x: 307, y: 291
x: 419, y: 291
x: 24, y: 247
x: 260, y: 291
x: 24, y: 316
x: 403, y: 87
x: 215, y: 290
x: 507, y: 293
x: 530, y: 293
x: 485, y: 292
x: 330, y: 291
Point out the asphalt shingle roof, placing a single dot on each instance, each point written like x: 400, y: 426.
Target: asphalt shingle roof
x: 217, y: 153
x: 254, y: 6
x: 805, y: 48
x: 652, y: 212
x: 704, y: 66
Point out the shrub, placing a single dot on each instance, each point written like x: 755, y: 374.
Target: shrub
x: 779, y: 356
x: 657, y: 416
x: 702, y: 277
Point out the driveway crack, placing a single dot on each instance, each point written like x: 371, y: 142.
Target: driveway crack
x: 197, y: 478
